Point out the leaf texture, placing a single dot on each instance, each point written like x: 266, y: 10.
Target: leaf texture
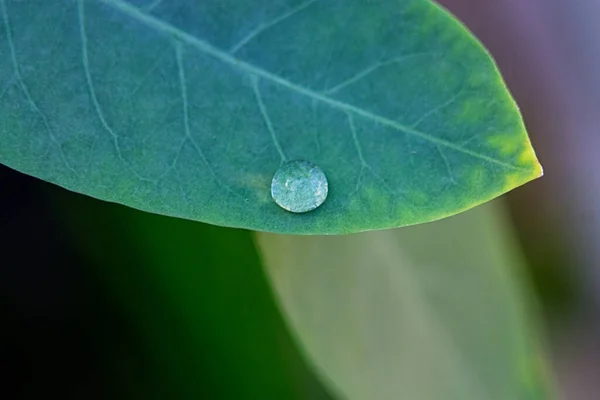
x: 188, y: 108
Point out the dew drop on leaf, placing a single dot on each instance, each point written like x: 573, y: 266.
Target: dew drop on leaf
x: 299, y: 186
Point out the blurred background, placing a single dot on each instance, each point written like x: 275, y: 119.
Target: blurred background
x: 71, y: 267
x: 549, y: 54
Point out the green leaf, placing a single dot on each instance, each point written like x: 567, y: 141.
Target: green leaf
x: 188, y: 108
x: 431, y: 312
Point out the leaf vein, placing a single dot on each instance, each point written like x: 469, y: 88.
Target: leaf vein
x: 205, y: 47
x: 355, y: 140
x: 152, y: 6
x: 371, y: 69
x: 147, y: 75
x: 438, y: 108
x: 25, y: 89
x: 90, y: 85
x: 186, y: 120
x: 265, y: 26
x: 265, y: 117
x: 446, y: 163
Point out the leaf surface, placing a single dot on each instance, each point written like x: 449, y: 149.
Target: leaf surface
x: 188, y: 108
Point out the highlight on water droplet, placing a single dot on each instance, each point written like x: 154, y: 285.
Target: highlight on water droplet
x: 299, y: 186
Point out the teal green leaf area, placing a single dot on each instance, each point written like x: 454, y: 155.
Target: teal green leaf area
x: 187, y: 108
x: 429, y: 312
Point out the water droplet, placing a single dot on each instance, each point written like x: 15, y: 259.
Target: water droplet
x: 299, y: 186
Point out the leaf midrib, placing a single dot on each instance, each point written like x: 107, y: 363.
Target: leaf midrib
x: 223, y: 56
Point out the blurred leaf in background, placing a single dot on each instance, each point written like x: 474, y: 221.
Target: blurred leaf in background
x: 376, y: 314
x: 435, y: 311
x: 549, y: 55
